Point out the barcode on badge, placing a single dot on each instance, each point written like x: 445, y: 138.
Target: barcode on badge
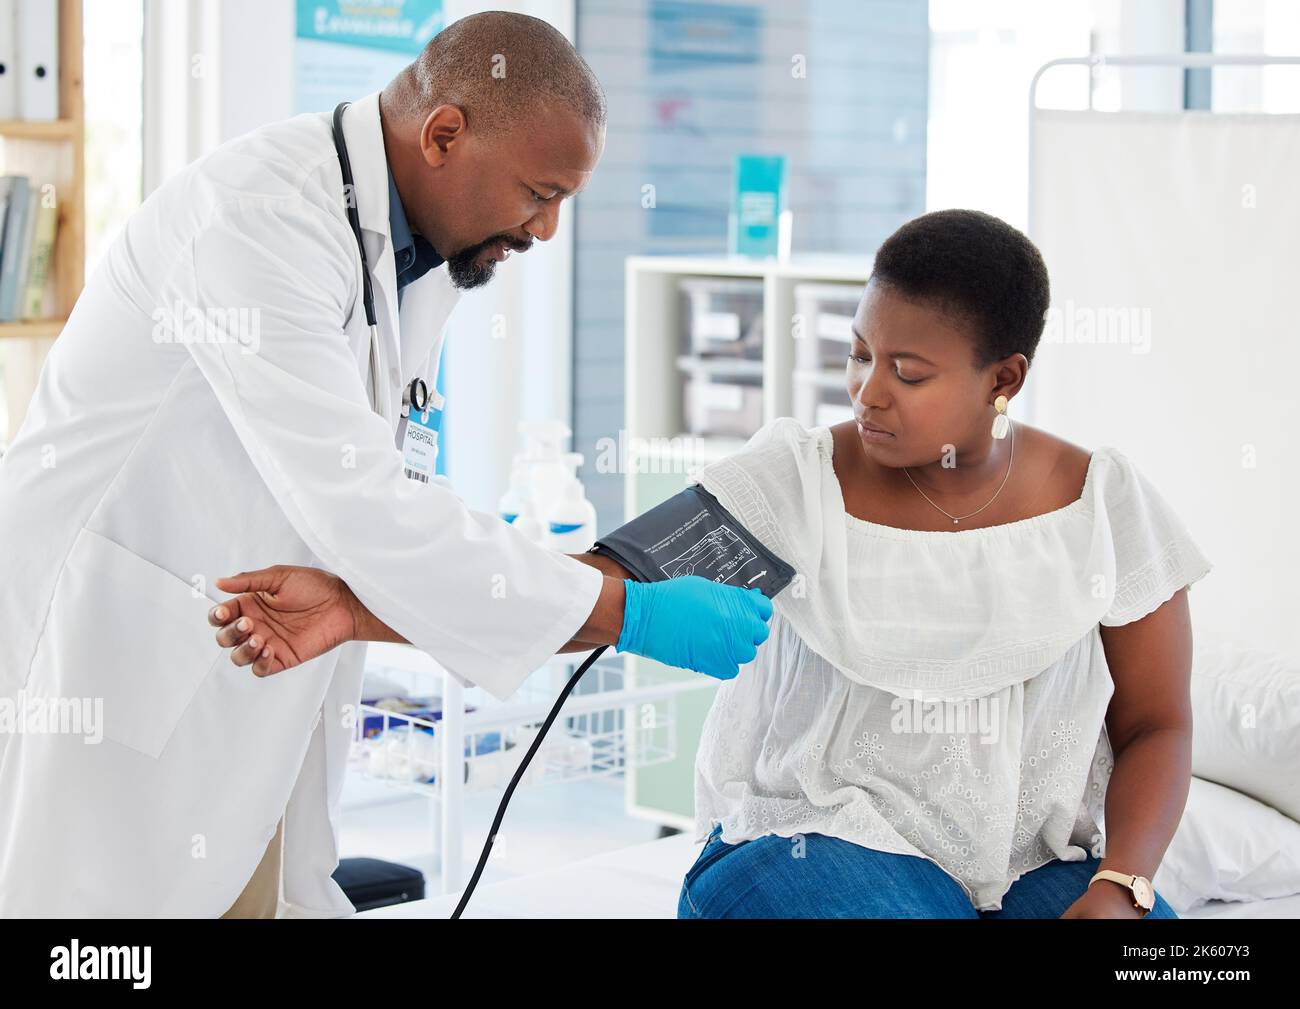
x: 423, y: 478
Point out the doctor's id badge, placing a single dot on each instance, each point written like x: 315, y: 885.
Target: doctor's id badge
x: 417, y: 437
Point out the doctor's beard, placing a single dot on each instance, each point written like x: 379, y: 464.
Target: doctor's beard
x: 466, y: 273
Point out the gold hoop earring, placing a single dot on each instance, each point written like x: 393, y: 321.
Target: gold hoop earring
x: 1001, y: 423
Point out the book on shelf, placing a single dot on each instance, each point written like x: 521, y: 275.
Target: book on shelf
x: 39, y: 256
x: 29, y: 221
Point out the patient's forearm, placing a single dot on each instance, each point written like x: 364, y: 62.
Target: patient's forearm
x: 1145, y: 798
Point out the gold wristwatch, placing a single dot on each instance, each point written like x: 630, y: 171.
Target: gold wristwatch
x: 1144, y: 894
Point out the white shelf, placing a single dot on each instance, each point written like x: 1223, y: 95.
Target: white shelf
x: 654, y: 358
x: 829, y: 268
x: 825, y: 379
x: 721, y: 365
x: 655, y: 370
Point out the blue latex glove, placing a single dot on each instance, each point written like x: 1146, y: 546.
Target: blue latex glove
x: 694, y: 623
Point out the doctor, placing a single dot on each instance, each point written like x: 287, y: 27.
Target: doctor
x: 218, y: 401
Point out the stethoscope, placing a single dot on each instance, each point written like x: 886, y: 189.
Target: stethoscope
x: 416, y: 395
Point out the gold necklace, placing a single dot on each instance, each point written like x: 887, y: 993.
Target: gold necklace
x: 958, y: 518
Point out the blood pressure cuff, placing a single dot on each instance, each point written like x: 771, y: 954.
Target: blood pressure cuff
x: 692, y: 534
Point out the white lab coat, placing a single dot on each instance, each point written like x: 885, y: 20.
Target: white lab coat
x: 153, y: 462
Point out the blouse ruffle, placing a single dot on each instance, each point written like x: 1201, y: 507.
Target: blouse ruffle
x: 947, y: 615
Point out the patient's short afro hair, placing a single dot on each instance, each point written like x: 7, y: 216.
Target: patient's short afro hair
x: 978, y: 269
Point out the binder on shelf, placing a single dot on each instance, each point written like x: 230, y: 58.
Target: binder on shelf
x: 8, y: 61
x: 11, y: 253
x: 37, y: 38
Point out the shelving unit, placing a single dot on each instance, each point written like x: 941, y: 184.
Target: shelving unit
x: 54, y: 151
x: 611, y: 728
x: 661, y: 455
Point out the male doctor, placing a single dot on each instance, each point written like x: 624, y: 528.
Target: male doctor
x: 216, y: 403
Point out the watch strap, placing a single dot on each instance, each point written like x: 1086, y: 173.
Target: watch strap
x: 1126, y: 880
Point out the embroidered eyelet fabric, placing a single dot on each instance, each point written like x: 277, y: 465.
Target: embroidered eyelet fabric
x: 936, y: 694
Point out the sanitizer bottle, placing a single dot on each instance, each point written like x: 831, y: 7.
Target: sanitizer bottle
x: 571, y: 518
x: 517, y: 495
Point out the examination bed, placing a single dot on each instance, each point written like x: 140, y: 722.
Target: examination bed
x: 643, y: 881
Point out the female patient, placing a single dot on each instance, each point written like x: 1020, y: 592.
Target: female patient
x: 985, y: 653
x: 990, y: 652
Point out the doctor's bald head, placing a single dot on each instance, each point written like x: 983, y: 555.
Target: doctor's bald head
x: 487, y: 132
x: 499, y: 68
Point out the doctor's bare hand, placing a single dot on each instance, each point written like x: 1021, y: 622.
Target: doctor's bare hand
x: 283, y: 616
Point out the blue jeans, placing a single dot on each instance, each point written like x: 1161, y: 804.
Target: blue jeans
x: 839, y: 879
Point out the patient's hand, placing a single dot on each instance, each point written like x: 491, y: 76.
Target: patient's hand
x: 1106, y: 900
x: 283, y: 616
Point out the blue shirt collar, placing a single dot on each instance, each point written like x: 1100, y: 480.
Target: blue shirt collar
x: 412, y: 254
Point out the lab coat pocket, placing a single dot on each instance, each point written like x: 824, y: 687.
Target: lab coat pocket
x: 124, y: 632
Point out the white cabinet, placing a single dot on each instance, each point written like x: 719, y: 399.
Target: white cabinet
x: 717, y: 347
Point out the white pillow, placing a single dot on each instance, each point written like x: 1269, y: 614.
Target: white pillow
x: 1246, y: 721
x: 1228, y: 846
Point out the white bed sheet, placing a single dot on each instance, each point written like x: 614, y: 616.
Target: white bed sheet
x: 644, y: 880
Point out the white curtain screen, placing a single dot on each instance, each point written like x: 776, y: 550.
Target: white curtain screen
x: 1173, y: 242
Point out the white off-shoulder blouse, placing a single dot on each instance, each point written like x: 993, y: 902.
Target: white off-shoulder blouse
x: 936, y: 694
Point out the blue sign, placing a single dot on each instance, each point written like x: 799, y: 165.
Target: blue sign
x: 403, y: 26
x: 347, y: 49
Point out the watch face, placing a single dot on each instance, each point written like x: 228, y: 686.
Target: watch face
x: 1143, y: 892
